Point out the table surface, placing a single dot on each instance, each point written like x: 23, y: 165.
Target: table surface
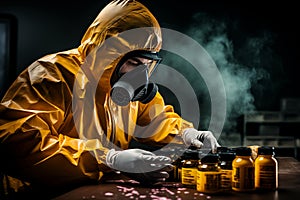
x: 115, y: 188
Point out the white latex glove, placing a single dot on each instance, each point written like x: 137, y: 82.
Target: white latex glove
x: 143, y: 166
x: 200, y: 139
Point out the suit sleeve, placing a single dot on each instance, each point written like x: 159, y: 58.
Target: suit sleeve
x: 32, y: 114
x: 159, y: 124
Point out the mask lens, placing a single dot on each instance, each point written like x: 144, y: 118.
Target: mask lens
x: 136, y: 58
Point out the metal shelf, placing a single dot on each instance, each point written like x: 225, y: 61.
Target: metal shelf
x: 271, y: 128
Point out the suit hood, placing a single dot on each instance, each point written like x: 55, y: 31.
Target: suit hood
x: 121, y: 27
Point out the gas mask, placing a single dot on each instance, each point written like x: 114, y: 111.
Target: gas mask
x: 134, y: 85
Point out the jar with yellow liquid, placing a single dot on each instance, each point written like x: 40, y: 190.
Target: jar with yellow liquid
x: 189, y: 168
x: 177, y: 164
x: 266, y: 169
x: 209, y: 174
x: 243, y: 170
x: 226, y: 159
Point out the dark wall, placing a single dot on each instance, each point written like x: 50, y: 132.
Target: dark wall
x: 48, y: 26
x: 51, y: 26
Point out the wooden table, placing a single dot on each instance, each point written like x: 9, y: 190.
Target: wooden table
x: 289, y: 188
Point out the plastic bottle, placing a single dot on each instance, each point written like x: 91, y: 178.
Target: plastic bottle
x: 209, y: 174
x: 189, y: 168
x: 266, y: 169
x: 243, y: 170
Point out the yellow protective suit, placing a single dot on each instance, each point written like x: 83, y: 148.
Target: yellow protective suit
x: 47, y: 138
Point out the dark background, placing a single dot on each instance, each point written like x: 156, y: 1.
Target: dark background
x: 45, y: 27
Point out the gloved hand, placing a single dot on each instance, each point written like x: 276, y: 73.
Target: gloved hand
x: 200, y: 139
x: 141, y: 165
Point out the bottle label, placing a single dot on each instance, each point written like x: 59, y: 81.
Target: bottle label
x: 209, y: 182
x: 266, y: 177
x: 226, y: 177
x: 243, y: 178
x: 189, y: 176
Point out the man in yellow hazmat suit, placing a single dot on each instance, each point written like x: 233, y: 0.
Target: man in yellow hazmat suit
x: 70, y: 116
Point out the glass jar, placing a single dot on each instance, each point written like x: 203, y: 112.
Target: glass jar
x: 209, y: 174
x: 189, y: 168
x: 177, y: 164
x: 243, y: 170
x: 226, y: 159
x: 266, y: 169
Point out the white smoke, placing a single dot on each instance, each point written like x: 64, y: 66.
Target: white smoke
x: 244, y: 67
x: 239, y: 79
x: 246, y: 62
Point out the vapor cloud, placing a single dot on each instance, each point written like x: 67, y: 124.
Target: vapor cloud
x: 244, y: 63
x: 242, y: 68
